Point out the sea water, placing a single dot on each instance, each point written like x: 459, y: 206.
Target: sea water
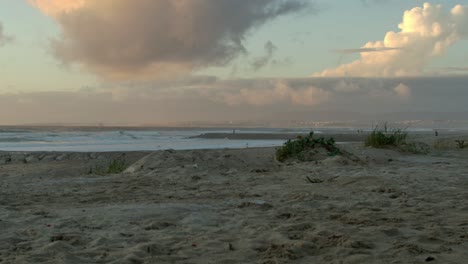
x: 123, y: 139
x: 105, y: 139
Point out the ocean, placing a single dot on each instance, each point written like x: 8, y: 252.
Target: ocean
x: 88, y: 139
x: 108, y: 139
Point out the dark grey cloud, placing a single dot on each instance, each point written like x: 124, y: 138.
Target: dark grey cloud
x: 363, y: 50
x: 4, y: 39
x: 262, y: 61
x: 158, y: 37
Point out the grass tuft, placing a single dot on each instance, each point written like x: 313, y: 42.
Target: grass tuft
x: 115, y: 166
x: 461, y: 144
x: 382, y: 137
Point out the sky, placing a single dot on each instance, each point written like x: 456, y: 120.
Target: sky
x: 165, y: 62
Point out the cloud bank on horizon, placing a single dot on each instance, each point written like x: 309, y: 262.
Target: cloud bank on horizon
x: 205, y: 99
x: 425, y: 33
x: 127, y: 38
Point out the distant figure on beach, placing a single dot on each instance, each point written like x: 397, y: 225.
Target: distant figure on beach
x: 436, y: 133
x: 233, y: 131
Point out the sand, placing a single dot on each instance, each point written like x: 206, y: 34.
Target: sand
x: 235, y: 206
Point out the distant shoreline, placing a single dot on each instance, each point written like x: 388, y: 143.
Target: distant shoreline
x: 338, y: 136
x: 280, y: 129
x: 341, y: 137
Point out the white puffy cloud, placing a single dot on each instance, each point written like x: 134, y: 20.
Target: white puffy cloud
x: 425, y: 33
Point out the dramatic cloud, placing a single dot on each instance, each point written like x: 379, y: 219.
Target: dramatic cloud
x: 425, y: 33
x: 4, y: 39
x: 121, y: 38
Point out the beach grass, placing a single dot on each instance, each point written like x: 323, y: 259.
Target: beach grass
x: 461, y: 144
x: 115, y: 166
x: 385, y: 136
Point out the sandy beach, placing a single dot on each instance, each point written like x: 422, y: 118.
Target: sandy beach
x: 236, y: 206
x: 233, y: 132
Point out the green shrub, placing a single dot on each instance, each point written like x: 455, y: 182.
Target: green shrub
x: 385, y: 136
x: 296, y: 148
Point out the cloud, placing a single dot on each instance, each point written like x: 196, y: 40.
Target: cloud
x: 207, y: 99
x: 262, y: 61
x: 455, y: 69
x: 344, y: 86
x: 56, y: 7
x: 4, y: 39
x: 403, y: 91
x: 364, y: 50
x: 273, y: 92
x: 128, y: 38
x: 425, y: 33
x: 369, y: 2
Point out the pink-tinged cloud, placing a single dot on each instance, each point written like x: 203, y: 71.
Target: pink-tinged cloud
x: 271, y: 93
x: 425, y: 33
x: 57, y: 7
x: 403, y: 91
x: 204, y: 99
x: 117, y: 39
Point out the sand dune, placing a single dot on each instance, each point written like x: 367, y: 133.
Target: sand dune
x: 236, y: 206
